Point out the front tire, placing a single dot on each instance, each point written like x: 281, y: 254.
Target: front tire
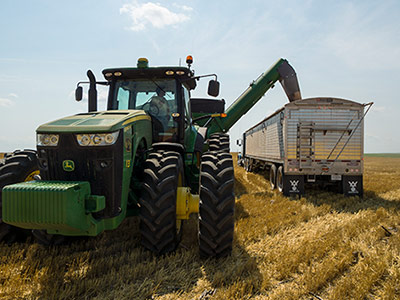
x: 18, y: 167
x: 217, y: 205
x: 163, y: 174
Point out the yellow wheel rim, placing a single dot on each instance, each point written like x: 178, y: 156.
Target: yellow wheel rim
x: 31, y: 175
x: 179, y: 222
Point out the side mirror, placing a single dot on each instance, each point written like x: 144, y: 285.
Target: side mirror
x: 239, y: 142
x: 213, y: 88
x: 78, y: 93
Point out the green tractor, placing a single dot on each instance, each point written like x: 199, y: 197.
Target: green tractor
x: 155, y: 153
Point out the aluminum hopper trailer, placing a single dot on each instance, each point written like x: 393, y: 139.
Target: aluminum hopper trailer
x: 315, y: 140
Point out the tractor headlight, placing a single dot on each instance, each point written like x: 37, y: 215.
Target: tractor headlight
x: 97, y: 139
x: 44, y: 139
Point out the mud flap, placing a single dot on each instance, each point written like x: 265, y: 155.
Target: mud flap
x: 352, y: 185
x: 293, y: 185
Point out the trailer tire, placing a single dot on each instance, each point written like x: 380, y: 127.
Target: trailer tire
x: 272, y: 177
x: 163, y: 174
x: 219, y: 142
x: 247, y: 165
x: 18, y: 167
x: 279, y: 178
x: 217, y: 205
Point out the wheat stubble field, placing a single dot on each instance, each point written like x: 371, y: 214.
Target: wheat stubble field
x: 322, y: 246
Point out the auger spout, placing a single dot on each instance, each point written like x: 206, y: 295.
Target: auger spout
x: 281, y: 71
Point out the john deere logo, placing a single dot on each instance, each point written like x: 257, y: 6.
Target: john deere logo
x: 68, y: 165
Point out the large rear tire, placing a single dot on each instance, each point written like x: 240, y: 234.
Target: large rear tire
x: 219, y: 142
x: 163, y: 174
x: 18, y: 167
x: 217, y: 205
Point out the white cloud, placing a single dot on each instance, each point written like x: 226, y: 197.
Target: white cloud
x: 152, y: 13
x: 183, y: 7
x: 4, y: 102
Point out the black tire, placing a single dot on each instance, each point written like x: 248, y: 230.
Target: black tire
x: 45, y: 239
x: 18, y: 167
x: 247, y: 165
x: 272, y: 177
x: 219, y: 142
x: 160, y: 230
x: 217, y: 205
x: 279, y: 178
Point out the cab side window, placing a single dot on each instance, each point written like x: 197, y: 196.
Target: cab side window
x: 123, y: 99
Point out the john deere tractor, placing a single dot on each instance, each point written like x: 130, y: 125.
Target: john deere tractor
x: 155, y: 153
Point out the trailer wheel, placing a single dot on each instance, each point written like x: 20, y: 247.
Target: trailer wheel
x: 18, y: 167
x: 247, y: 165
x: 279, y: 179
x: 163, y: 174
x: 272, y: 177
x: 217, y: 205
x: 219, y: 142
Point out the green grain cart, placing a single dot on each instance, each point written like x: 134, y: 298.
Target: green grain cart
x: 155, y: 153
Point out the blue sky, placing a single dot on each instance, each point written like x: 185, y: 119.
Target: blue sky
x: 346, y: 49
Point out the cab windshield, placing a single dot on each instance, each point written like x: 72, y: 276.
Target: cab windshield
x: 157, y: 97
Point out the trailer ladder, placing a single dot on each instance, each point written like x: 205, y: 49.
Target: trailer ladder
x: 305, y: 144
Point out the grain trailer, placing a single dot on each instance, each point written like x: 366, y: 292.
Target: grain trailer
x: 315, y: 140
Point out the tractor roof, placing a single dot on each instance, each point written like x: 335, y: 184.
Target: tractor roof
x: 182, y: 73
x: 155, y: 72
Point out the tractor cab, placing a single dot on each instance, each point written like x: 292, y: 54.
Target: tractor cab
x: 162, y: 92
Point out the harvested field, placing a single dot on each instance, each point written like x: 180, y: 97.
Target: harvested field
x: 322, y: 246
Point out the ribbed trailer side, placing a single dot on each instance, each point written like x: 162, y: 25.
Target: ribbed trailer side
x: 264, y: 141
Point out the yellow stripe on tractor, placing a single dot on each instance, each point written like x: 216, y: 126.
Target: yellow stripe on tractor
x: 135, y: 119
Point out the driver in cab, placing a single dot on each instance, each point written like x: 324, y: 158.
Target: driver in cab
x: 160, y: 107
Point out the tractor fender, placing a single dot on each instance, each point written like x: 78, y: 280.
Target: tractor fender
x: 200, y: 138
x: 169, y: 147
